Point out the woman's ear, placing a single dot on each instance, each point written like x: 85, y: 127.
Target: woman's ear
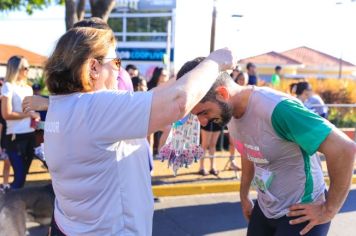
x: 93, y: 69
x: 222, y: 93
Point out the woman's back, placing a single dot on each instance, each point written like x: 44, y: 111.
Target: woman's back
x: 84, y: 148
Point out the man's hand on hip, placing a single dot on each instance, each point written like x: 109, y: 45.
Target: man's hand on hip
x: 315, y: 214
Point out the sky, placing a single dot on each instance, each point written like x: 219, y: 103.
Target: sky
x: 266, y: 25
x: 279, y: 25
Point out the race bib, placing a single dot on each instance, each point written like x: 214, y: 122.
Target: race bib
x: 262, y: 179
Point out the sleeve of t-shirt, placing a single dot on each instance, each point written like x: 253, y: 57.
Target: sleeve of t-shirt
x: 6, y: 90
x: 119, y: 115
x: 295, y: 123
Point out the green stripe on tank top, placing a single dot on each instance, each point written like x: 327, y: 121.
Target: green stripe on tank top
x: 309, y: 184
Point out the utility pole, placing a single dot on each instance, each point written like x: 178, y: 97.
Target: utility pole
x: 168, y: 48
x: 213, y: 23
x: 340, y: 67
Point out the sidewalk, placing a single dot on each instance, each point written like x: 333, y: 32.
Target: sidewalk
x: 187, y: 181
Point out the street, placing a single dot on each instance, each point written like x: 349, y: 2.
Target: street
x: 220, y: 214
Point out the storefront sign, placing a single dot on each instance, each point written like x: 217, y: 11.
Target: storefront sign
x: 143, y: 54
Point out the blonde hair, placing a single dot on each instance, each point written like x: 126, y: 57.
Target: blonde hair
x: 14, y: 65
x: 67, y: 70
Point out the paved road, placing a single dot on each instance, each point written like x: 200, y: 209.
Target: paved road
x: 219, y: 215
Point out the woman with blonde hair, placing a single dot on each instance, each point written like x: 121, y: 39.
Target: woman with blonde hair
x: 20, y: 139
x: 98, y: 162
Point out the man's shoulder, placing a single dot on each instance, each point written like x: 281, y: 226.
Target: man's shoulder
x: 266, y: 94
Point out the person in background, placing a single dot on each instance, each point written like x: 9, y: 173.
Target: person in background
x: 3, y: 155
x: 252, y: 74
x: 159, y: 77
x: 139, y: 84
x: 276, y: 77
x: 241, y: 79
x: 36, y: 89
x: 209, y: 137
x: 124, y: 80
x: 311, y: 100
x: 235, y: 72
x: 293, y: 89
x: 20, y: 136
x: 132, y: 70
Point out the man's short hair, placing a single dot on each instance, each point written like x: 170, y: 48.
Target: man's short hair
x: 278, y: 68
x: 188, y: 66
x: 249, y: 65
x: 131, y: 67
x: 222, y: 79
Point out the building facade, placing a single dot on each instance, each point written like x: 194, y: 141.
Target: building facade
x: 147, y: 39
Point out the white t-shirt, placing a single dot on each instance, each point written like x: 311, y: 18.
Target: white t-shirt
x: 98, y: 159
x: 17, y: 93
x: 316, y: 104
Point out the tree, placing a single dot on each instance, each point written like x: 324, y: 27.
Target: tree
x: 29, y: 5
x: 101, y: 8
x: 74, y: 9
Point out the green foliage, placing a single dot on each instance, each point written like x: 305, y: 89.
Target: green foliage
x: 343, y: 117
x: 28, y: 5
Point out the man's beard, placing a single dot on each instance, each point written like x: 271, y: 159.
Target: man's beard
x: 226, y: 112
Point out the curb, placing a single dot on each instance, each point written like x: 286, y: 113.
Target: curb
x: 204, y: 188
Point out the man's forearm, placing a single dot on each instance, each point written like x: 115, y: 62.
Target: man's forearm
x: 177, y: 100
x: 340, y: 154
x: 340, y: 175
x: 246, y: 177
x: 204, y: 76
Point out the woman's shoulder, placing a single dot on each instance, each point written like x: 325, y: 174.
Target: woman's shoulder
x: 7, y: 87
x: 8, y: 84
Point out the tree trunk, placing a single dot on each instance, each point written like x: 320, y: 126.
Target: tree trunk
x: 71, y: 13
x: 101, y: 8
x: 81, y: 9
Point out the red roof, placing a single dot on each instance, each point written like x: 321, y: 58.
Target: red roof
x: 7, y: 51
x: 272, y: 58
x: 312, y: 57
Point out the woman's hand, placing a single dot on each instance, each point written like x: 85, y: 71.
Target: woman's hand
x: 35, y: 115
x: 225, y: 58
